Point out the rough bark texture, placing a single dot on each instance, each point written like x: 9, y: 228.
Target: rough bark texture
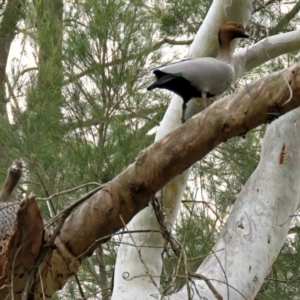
x: 121, y: 198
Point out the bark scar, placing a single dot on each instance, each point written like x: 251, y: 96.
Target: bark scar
x: 282, y: 155
x: 240, y: 224
x: 248, y: 236
x: 292, y: 76
x: 274, y: 112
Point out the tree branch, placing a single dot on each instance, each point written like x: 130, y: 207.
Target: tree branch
x: 131, y: 190
x: 284, y: 22
x: 251, y: 57
x: 116, y: 61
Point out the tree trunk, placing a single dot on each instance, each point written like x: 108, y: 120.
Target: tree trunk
x: 11, y: 16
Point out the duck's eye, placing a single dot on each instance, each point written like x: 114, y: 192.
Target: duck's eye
x: 238, y: 26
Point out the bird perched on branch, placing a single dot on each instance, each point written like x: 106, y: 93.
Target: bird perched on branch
x: 14, y: 174
x: 203, y: 77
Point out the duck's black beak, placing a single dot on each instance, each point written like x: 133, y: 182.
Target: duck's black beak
x: 246, y: 35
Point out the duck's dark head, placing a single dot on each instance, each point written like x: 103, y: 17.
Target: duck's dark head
x: 230, y: 31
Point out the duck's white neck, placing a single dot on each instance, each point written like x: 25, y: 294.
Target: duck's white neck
x: 225, y: 53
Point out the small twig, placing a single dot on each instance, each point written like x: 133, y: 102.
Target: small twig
x: 40, y: 177
x: 207, y: 281
x: 75, y: 204
x: 282, y: 281
x: 12, y: 273
x: 175, y: 245
x: 180, y: 252
x: 103, y: 238
x: 80, y: 287
x: 67, y: 191
x: 292, y: 216
x: 92, y: 267
x: 287, y: 83
x: 140, y: 256
x: 291, y: 92
x: 42, y: 286
x: 49, y: 203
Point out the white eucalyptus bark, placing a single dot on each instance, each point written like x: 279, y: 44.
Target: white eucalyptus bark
x: 138, y: 267
x: 251, y: 57
x: 260, y: 219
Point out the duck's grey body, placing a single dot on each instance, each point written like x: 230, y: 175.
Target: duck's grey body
x: 206, y: 74
x: 203, y: 77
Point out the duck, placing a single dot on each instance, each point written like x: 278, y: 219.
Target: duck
x: 14, y: 174
x: 203, y: 77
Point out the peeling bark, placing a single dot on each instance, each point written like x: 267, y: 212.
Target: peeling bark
x: 20, y: 247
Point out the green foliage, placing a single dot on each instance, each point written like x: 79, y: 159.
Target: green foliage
x: 196, y: 230
x: 175, y: 17
x: 283, y: 280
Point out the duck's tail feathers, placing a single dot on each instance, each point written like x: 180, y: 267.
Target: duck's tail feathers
x: 162, y: 80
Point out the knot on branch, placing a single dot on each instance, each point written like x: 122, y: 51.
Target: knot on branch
x: 126, y: 275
